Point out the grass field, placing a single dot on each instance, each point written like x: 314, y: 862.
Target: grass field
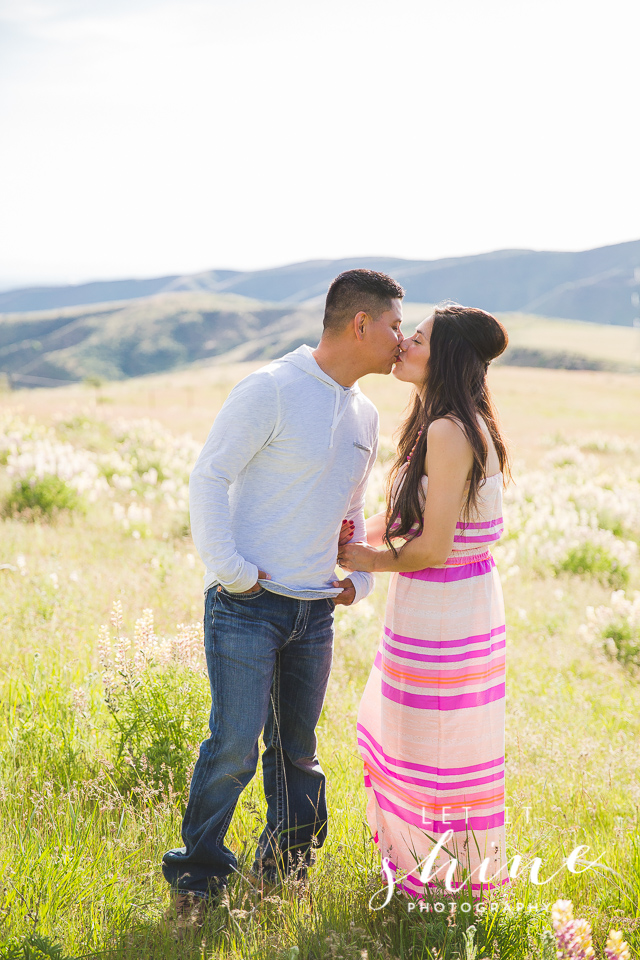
x: 92, y: 796
x: 595, y: 341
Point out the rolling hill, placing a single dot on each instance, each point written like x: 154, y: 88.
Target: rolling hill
x: 114, y: 341
x: 598, y: 286
x: 119, y: 340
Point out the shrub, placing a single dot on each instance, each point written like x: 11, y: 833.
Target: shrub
x: 615, y: 630
x: 592, y: 559
x: 38, y: 498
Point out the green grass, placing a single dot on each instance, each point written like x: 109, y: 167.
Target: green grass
x: 93, y: 788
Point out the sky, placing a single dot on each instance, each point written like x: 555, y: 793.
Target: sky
x: 153, y: 137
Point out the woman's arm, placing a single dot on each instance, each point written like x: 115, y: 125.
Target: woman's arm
x: 376, y: 526
x: 450, y: 460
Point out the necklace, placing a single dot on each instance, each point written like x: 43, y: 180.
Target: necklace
x: 414, y: 446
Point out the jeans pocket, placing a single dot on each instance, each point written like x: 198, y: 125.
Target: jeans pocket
x: 242, y: 597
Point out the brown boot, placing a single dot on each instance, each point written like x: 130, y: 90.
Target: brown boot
x: 186, y: 913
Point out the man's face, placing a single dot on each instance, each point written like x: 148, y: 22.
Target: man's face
x: 385, y: 337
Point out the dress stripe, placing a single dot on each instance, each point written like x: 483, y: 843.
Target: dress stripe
x: 484, y: 538
x: 421, y: 782
x: 442, y: 678
x: 482, y: 525
x: 454, y: 658
x: 444, y: 644
x: 465, y: 571
x: 439, y: 771
x: 461, y: 701
x: 462, y: 825
x: 460, y: 801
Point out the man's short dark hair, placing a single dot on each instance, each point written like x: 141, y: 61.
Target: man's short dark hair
x: 356, y: 290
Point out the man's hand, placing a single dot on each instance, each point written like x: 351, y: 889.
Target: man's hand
x: 348, y: 594
x: 254, y: 589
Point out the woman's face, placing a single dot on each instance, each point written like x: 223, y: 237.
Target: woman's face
x: 414, y: 354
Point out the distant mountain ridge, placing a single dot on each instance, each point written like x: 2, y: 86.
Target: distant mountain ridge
x: 593, y: 285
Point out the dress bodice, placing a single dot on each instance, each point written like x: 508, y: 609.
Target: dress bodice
x: 485, y: 524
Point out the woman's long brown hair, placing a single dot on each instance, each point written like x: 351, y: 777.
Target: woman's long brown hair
x: 464, y: 340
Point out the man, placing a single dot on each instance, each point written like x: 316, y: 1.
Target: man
x: 287, y: 458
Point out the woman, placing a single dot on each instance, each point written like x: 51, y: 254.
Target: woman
x: 431, y: 720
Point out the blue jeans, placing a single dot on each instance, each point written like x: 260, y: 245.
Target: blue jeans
x: 269, y: 659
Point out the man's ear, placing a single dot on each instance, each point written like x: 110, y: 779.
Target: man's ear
x: 360, y: 323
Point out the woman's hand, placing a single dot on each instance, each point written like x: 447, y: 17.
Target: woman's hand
x: 357, y: 556
x: 346, y: 532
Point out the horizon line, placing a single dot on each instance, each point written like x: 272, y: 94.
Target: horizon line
x: 44, y: 285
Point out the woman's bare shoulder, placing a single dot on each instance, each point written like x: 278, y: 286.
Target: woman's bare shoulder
x: 448, y: 446
x: 447, y: 430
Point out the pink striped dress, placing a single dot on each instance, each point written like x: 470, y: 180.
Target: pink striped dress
x: 431, y: 719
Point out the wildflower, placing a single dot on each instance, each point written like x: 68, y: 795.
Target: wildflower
x: 573, y: 937
x: 120, y: 649
x: 104, y: 645
x: 129, y: 659
x: 80, y: 701
x: 145, y: 639
x: 116, y: 615
x: 561, y: 913
x: 616, y: 948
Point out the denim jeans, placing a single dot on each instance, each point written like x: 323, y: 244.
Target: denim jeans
x: 269, y: 659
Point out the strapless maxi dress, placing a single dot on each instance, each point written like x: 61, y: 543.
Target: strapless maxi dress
x: 431, y: 719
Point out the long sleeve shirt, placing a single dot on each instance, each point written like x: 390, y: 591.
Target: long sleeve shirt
x: 287, y: 459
